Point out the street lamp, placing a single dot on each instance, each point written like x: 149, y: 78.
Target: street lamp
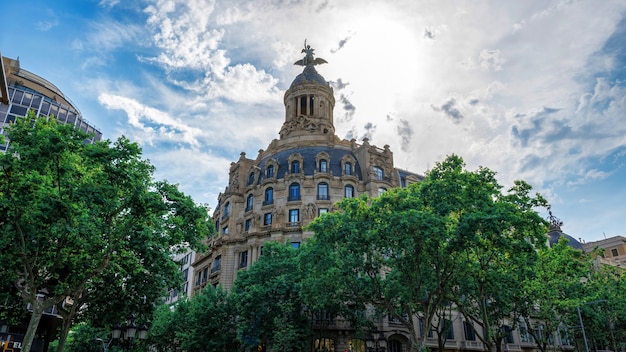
x: 580, y: 319
x: 376, y: 344
x: 127, y: 332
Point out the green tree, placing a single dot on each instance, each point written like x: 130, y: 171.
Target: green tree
x: 86, y: 338
x: 269, y: 301
x: 210, y: 323
x: 406, y: 252
x: 555, y: 291
x: 502, y: 233
x: 603, y: 307
x: 74, y: 211
x: 167, y: 324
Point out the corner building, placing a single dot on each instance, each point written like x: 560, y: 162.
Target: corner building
x: 298, y: 177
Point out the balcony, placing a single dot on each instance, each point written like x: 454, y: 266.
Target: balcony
x: 215, y: 269
x: 323, y: 197
x: 293, y: 198
x: 268, y: 202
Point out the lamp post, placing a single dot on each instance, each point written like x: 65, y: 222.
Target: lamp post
x: 376, y: 344
x: 127, y: 333
x: 580, y: 319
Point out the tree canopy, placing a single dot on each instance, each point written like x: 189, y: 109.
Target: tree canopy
x: 80, y: 215
x: 409, y: 251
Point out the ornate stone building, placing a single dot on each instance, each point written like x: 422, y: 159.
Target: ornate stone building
x: 299, y: 176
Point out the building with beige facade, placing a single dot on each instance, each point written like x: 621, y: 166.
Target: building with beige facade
x: 300, y: 175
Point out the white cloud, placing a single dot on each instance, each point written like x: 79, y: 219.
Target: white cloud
x: 155, y: 125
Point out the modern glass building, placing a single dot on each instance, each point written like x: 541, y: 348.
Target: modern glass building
x: 21, y: 90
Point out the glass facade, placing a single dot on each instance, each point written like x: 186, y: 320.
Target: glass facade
x: 22, y: 99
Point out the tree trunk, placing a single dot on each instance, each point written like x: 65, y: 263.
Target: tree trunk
x: 35, y: 318
x: 65, y: 328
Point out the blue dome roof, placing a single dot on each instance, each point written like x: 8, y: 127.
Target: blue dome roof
x: 555, y: 235
x: 309, y: 75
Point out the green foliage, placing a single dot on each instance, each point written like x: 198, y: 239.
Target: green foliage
x: 454, y: 237
x: 269, y: 301
x: 210, y: 324
x: 87, y: 221
x: 86, y: 338
x: 556, y: 290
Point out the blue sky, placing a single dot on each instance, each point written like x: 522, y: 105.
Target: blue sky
x: 534, y: 90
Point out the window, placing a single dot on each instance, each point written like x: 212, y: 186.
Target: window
x: 323, y: 165
x: 614, y: 252
x: 217, y: 264
x: 402, y: 182
x: 508, y: 338
x: 243, y: 259
x: 470, y: 334
x: 423, y: 327
x: 379, y: 173
x: 225, y: 230
x: 269, y: 196
x: 267, y: 219
x: 327, y: 344
x: 349, y: 191
x: 347, y: 168
x: 247, y: 224
x: 322, y: 191
x: 295, y: 244
x: 251, y: 178
x: 321, y: 211
x: 295, y: 167
x: 269, y: 172
x: 448, y: 329
x: 524, y: 334
x: 294, y: 215
x: 205, y: 274
x: 395, y: 346
x: 226, y: 210
x: 294, y: 192
x: 249, y: 202
x: 356, y: 345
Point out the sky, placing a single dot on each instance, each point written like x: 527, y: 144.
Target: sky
x: 533, y: 90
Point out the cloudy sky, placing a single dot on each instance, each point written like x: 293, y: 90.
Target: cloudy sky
x: 533, y: 89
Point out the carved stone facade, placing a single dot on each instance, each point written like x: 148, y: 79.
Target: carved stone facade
x: 300, y: 175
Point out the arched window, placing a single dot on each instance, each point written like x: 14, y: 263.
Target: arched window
x: 349, y: 191
x: 323, y: 165
x: 269, y: 196
x: 269, y: 172
x: 294, y: 192
x: 322, y: 191
x: 249, y: 202
x: 251, y: 178
x: 394, y: 346
x: 379, y: 173
x: 347, y: 168
x: 295, y: 167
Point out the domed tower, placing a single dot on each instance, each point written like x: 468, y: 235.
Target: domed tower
x: 309, y: 103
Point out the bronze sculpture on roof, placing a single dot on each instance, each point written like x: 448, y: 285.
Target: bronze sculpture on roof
x: 308, y: 59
